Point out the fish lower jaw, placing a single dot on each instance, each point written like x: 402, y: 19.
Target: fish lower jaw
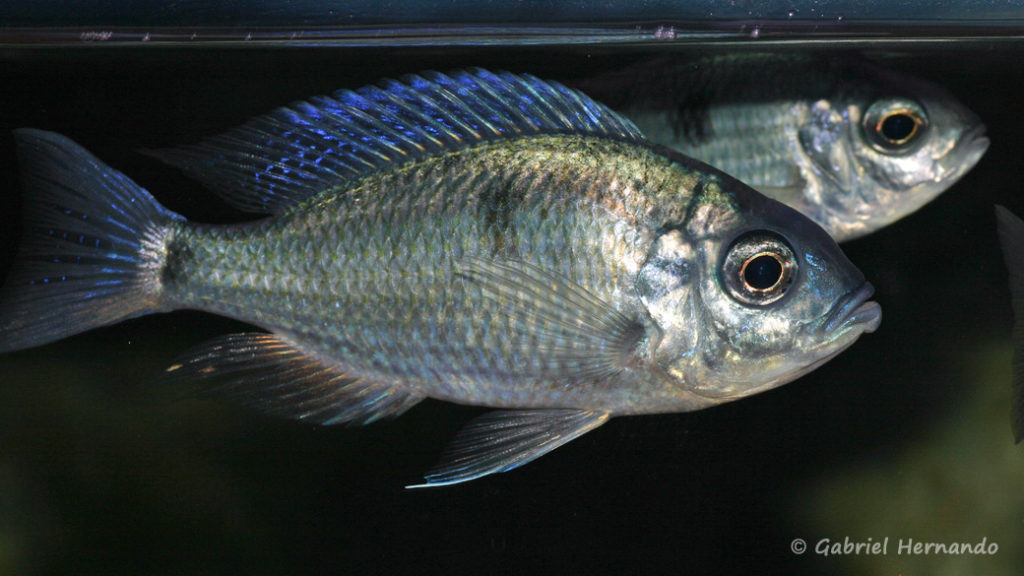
x: 787, y: 368
x: 723, y: 390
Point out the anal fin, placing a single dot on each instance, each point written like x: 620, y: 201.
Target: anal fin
x: 502, y: 440
x: 266, y: 372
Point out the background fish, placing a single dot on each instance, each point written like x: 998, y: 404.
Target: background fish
x: 1011, y: 238
x: 852, y: 145
x: 485, y: 239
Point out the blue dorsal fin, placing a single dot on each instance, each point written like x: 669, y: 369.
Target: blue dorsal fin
x: 275, y: 161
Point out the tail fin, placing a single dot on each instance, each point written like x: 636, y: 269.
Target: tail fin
x: 1011, y: 237
x: 92, y: 250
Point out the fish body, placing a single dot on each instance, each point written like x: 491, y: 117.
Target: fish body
x: 852, y: 145
x: 500, y: 241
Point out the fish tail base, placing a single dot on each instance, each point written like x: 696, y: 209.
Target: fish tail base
x: 93, y: 249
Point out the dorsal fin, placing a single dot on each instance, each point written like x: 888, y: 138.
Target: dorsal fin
x: 275, y: 161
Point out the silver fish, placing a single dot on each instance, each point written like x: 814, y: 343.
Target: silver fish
x: 487, y: 239
x: 1011, y: 239
x: 852, y: 145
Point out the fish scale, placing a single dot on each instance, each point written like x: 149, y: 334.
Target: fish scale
x: 398, y: 268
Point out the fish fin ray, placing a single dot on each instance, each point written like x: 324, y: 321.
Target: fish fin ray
x: 84, y: 260
x: 265, y: 372
x: 276, y: 161
x: 502, y: 440
x: 1011, y: 239
x: 561, y: 321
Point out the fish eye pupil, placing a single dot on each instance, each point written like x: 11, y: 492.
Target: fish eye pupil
x: 897, y: 127
x: 758, y: 268
x: 762, y: 272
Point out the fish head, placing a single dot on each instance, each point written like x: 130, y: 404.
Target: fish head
x: 885, y: 149
x: 761, y: 295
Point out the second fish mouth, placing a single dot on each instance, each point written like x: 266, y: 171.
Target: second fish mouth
x: 972, y: 146
x: 855, y: 310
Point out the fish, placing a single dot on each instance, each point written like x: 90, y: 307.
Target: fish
x: 482, y: 238
x: 1011, y: 238
x: 850, y: 144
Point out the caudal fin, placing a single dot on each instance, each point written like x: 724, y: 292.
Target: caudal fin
x: 1011, y: 237
x: 92, y: 249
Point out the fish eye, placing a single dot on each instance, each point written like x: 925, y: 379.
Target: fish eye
x: 893, y: 125
x: 897, y: 127
x: 758, y: 268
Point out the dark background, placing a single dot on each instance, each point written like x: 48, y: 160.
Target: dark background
x: 103, y: 472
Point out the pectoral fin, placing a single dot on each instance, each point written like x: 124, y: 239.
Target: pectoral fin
x: 503, y: 440
x: 266, y: 372
x: 581, y: 336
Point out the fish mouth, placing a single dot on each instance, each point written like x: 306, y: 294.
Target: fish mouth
x: 973, y: 145
x: 854, y: 311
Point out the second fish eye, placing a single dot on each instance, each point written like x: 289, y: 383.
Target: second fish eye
x: 759, y: 268
x: 892, y: 125
x: 897, y: 127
